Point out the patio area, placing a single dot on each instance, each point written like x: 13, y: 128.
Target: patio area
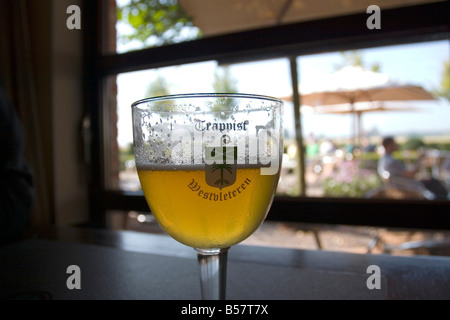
x: 339, y: 238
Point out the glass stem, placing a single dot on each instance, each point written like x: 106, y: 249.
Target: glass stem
x: 213, y: 272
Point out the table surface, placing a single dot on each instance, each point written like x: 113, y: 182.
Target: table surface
x: 133, y: 265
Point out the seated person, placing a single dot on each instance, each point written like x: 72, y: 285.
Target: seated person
x: 445, y: 168
x: 388, y: 166
x: 395, y: 171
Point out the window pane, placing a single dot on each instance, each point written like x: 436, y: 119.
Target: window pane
x: 343, y: 150
x: 150, y: 23
x: 133, y: 86
x: 344, y: 147
x: 272, y: 77
x: 269, y: 77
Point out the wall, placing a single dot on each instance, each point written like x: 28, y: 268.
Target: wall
x: 56, y: 69
x: 70, y: 182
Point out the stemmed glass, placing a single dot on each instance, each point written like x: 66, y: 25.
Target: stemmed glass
x: 209, y: 166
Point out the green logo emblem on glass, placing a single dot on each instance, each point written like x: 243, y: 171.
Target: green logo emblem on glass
x: 221, y: 165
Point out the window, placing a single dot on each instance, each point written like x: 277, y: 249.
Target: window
x: 263, y: 77
x: 286, y: 48
x: 341, y: 160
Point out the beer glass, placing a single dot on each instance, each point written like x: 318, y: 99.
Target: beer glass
x: 209, y: 166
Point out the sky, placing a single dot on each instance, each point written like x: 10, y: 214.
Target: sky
x: 419, y: 64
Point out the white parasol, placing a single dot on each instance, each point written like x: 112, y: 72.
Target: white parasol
x: 352, y: 85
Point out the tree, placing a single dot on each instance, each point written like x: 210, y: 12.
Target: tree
x: 355, y: 58
x: 224, y: 81
x: 444, y: 90
x: 413, y: 143
x: 158, y: 87
x: 156, y: 22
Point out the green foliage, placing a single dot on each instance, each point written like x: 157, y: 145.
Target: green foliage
x: 413, y: 144
x: 158, y: 87
x: 156, y: 22
x: 224, y: 81
x: 125, y: 154
x: 355, y: 58
x: 439, y: 146
x: 355, y: 188
x: 444, y: 90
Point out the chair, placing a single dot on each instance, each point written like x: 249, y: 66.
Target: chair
x: 422, y: 247
x: 395, y: 187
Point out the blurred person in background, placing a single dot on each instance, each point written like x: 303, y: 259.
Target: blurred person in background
x: 391, y: 169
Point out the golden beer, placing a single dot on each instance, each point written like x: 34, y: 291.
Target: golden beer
x: 201, y: 216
